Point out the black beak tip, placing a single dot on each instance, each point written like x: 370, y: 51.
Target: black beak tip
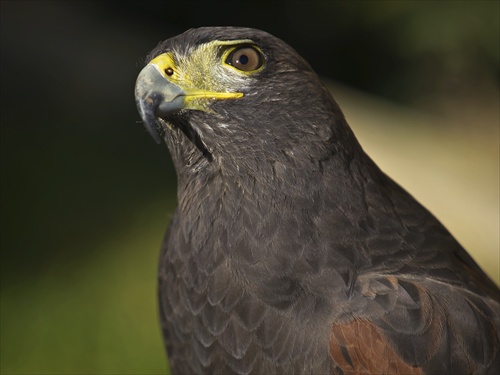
x: 153, y: 131
x: 146, y: 111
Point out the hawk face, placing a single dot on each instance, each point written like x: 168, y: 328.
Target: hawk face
x: 230, y: 98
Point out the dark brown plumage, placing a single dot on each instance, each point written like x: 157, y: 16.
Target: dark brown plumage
x: 290, y: 251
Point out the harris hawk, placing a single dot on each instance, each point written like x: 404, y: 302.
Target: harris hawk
x: 290, y: 251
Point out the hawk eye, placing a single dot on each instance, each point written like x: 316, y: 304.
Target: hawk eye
x: 245, y: 58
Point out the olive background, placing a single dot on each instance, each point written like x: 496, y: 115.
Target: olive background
x: 86, y: 195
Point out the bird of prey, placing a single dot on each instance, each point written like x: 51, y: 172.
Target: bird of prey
x: 290, y: 251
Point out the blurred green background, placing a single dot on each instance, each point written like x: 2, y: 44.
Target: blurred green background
x: 86, y: 195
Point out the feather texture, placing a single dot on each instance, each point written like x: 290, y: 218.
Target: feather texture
x: 291, y: 252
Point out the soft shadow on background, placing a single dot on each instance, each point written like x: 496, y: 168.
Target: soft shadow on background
x: 86, y: 194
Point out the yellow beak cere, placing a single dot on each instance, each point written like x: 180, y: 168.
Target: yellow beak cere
x: 162, y: 88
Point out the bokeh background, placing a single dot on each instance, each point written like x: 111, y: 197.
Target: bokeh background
x: 86, y: 195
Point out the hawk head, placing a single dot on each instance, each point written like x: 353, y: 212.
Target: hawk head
x: 226, y: 98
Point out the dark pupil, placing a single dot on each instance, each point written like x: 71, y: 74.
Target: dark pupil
x: 243, y: 59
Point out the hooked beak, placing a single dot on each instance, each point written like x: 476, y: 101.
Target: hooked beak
x: 157, y: 96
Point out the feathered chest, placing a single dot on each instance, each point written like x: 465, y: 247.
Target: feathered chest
x: 233, y: 298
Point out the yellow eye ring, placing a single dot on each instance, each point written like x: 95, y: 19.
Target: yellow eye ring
x: 245, y: 58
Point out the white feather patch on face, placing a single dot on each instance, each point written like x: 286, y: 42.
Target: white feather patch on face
x: 204, y: 68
